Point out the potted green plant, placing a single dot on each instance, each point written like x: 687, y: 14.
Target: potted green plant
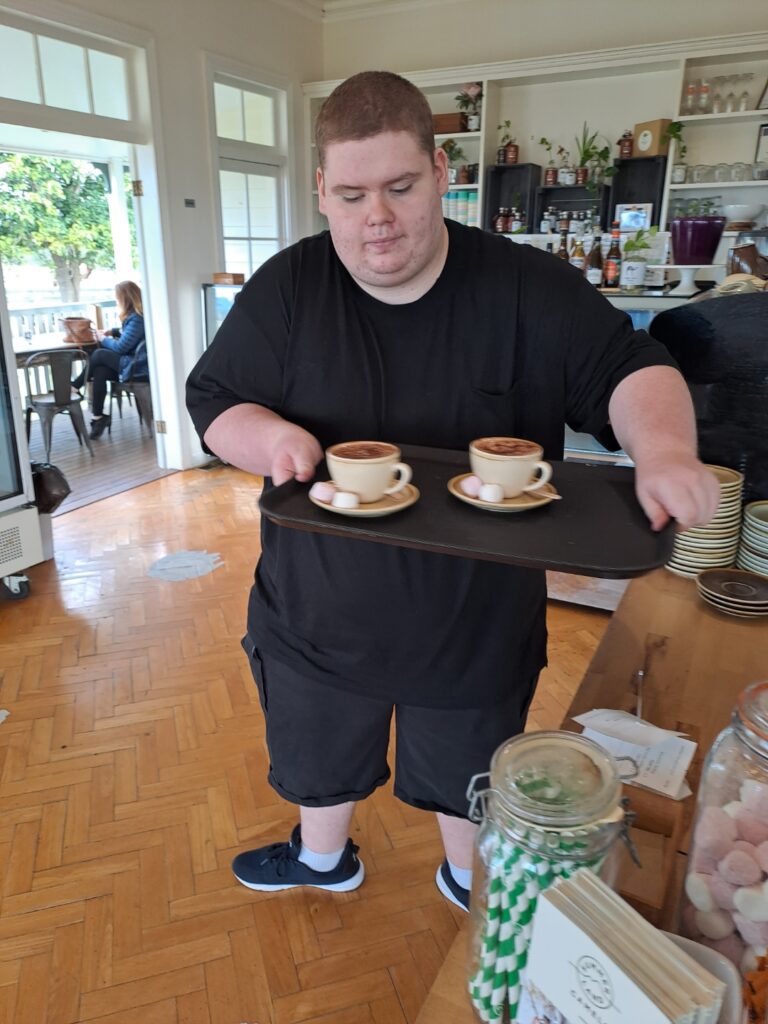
x: 600, y: 167
x: 469, y: 96
x: 674, y: 132
x: 550, y: 171
x: 634, y: 262
x: 508, y: 150
x: 586, y: 149
x: 455, y: 155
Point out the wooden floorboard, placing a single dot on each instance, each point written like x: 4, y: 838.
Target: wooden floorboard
x: 132, y: 768
x: 124, y: 459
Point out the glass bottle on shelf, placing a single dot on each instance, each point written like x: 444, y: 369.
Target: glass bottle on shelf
x: 612, y: 266
x: 745, y: 100
x: 731, y: 100
x: 689, y: 97
x: 703, y: 100
x: 562, y: 252
x: 717, y: 96
x: 563, y: 221
x: 500, y: 221
x: 577, y: 258
x: 594, y: 272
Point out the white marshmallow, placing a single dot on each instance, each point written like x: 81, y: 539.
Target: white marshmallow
x: 345, y: 499
x: 749, y: 959
x: 699, y: 893
x: 752, y: 902
x: 752, y: 790
x: 733, y: 808
x: 717, y: 924
x: 471, y: 485
x: 323, y: 490
x: 491, y: 492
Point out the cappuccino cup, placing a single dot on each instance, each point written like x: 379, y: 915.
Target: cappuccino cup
x: 369, y: 469
x: 510, y: 462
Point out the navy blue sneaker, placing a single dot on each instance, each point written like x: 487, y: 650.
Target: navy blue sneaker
x: 450, y: 888
x: 277, y: 866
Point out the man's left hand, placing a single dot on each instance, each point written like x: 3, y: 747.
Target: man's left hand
x: 676, y: 486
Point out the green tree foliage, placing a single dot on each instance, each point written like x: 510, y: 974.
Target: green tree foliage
x: 55, y: 211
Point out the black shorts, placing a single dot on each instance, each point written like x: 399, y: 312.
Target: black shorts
x: 329, y: 746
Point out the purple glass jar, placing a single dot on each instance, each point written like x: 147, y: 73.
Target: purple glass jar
x: 694, y: 239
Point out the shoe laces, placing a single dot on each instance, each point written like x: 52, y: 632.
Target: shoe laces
x: 279, y: 855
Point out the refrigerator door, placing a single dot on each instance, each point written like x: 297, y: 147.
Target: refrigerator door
x: 16, y: 488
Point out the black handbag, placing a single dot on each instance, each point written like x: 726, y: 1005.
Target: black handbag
x: 51, y: 487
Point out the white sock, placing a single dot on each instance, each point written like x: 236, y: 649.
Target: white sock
x: 462, y: 876
x: 320, y: 861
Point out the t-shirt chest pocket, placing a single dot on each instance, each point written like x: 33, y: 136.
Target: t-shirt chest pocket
x: 489, y: 411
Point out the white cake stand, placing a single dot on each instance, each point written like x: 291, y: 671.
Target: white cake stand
x: 687, y: 284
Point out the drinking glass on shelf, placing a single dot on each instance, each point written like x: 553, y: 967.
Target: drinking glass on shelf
x: 741, y: 172
x: 760, y: 170
x: 722, y: 172
x: 718, y: 104
x: 745, y: 99
x: 731, y: 101
x: 703, y: 173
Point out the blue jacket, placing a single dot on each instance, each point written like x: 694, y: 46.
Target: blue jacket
x: 130, y: 342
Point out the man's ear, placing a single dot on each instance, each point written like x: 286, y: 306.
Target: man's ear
x: 441, y: 170
x: 320, y: 189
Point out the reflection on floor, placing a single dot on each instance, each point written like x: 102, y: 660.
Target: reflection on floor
x: 122, y: 460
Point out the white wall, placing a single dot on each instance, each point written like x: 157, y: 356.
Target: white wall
x: 258, y: 35
x: 459, y: 32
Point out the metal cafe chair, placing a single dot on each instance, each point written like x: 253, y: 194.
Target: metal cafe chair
x: 61, y: 396
x: 141, y: 392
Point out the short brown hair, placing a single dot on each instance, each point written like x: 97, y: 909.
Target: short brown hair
x: 372, y: 102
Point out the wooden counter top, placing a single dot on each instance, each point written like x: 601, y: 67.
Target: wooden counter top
x: 699, y: 662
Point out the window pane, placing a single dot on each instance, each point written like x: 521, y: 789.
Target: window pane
x: 262, y: 205
x: 109, y: 85
x: 236, y: 257
x: 260, y: 253
x: 18, y: 66
x: 229, y: 111
x: 234, y: 203
x: 259, y: 118
x: 64, y: 81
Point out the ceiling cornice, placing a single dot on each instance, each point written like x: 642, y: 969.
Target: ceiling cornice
x: 345, y: 10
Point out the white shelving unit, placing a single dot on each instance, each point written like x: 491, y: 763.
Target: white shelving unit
x: 611, y: 89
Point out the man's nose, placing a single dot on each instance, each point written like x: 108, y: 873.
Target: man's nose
x: 379, y: 210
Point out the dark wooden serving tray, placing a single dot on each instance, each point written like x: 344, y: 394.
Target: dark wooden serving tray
x: 598, y: 529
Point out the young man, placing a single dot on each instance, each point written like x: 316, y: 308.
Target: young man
x: 401, y: 326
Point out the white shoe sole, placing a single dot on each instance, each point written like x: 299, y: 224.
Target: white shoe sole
x: 347, y: 886
x: 439, y: 882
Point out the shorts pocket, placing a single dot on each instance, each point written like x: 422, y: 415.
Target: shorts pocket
x: 257, y: 669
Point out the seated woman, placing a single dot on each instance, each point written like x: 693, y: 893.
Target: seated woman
x: 122, y: 357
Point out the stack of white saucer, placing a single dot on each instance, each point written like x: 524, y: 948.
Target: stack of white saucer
x: 715, y: 545
x: 753, y: 550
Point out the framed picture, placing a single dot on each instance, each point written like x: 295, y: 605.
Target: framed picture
x: 633, y: 216
x: 761, y: 153
x: 762, y: 103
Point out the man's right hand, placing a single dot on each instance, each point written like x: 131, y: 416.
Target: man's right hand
x: 295, y: 454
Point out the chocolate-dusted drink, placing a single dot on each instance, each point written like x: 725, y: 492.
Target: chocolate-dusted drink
x: 363, y: 450
x: 507, y: 446
x: 512, y: 463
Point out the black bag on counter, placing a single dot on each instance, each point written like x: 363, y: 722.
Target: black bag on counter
x: 51, y: 487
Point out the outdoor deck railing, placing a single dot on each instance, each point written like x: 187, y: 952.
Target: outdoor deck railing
x: 29, y: 321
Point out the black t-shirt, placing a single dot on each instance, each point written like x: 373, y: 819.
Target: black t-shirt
x: 510, y: 341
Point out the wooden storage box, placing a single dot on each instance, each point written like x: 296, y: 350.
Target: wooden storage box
x: 222, y: 278
x: 649, y: 135
x: 443, y: 123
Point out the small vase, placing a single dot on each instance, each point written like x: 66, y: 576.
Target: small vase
x: 695, y: 239
x: 501, y: 155
x: 550, y: 175
x: 511, y: 151
x: 453, y: 173
x: 566, y: 176
x: 463, y: 176
x: 473, y: 123
x: 633, y: 270
x: 582, y: 174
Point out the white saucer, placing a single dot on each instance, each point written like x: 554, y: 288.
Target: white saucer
x: 385, y: 506
x: 522, y: 503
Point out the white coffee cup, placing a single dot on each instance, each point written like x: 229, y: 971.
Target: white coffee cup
x: 510, y: 462
x: 368, y: 469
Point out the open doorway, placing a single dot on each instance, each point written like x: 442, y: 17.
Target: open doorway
x: 69, y: 235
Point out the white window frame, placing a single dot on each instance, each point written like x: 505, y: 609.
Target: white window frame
x: 239, y: 76
x: 275, y: 171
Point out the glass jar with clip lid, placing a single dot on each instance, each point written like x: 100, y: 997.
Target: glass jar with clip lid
x: 550, y: 804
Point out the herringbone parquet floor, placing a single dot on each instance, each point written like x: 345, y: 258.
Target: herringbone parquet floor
x: 132, y: 768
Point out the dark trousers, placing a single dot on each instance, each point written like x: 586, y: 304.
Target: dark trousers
x: 103, y: 365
